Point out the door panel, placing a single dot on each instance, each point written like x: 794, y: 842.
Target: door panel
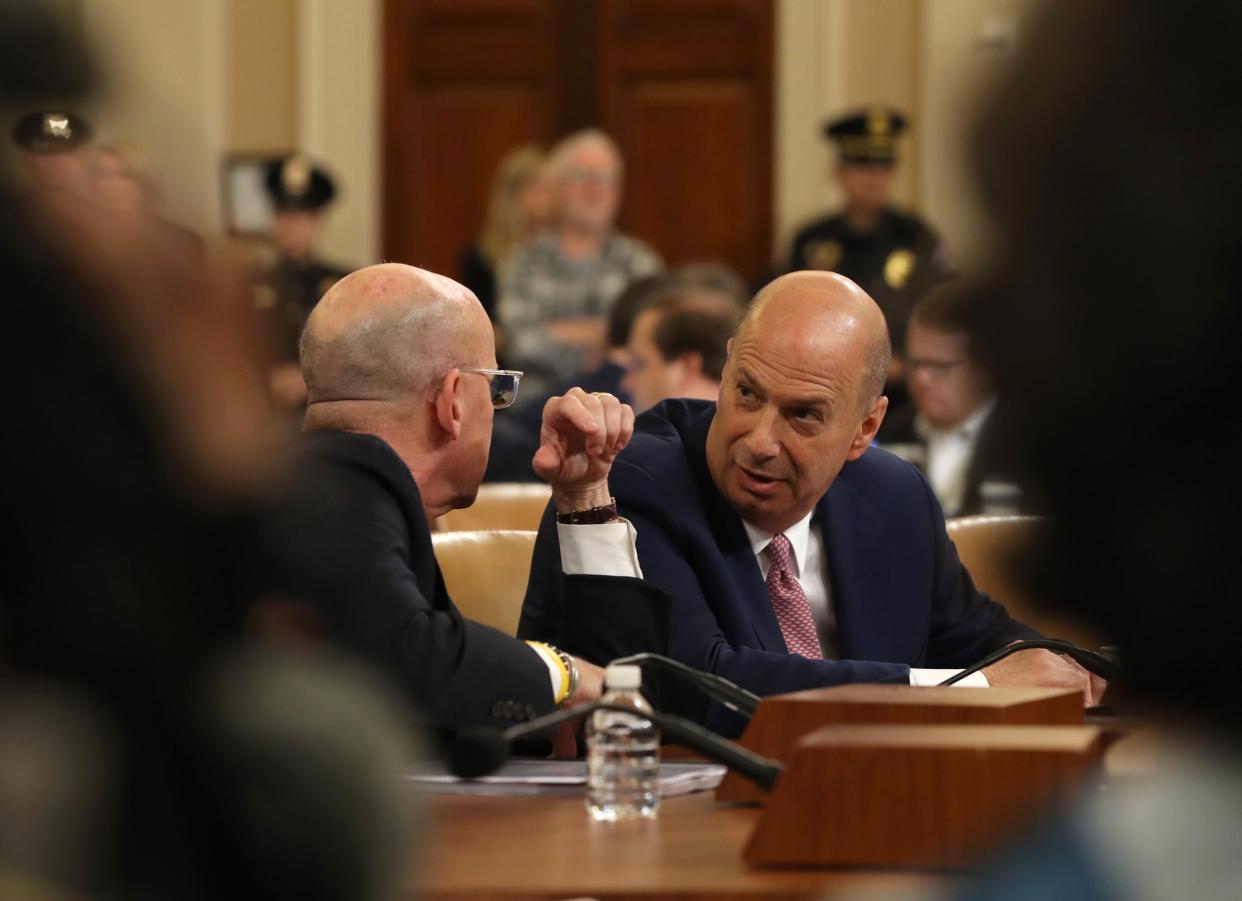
x: 685, y: 88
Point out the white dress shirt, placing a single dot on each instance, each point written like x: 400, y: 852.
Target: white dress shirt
x: 949, y: 452
x: 609, y: 549
x: 810, y: 568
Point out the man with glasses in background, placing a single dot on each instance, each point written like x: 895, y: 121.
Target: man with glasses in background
x: 951, y: 433
x: 400, y: 368
x: 555, y: 295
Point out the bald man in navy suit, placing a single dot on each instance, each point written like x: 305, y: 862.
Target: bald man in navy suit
x: 797, y: 555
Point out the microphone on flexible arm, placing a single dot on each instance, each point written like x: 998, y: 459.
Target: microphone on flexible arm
x: 1094, y: 663
x: 715, y: 687
x: 479, y: 751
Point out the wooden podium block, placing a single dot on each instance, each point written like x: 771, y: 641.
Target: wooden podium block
x: 783, y: 719
x: 927, y: 796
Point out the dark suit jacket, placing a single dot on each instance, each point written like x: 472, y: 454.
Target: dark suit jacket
x: 900, y: 595
x: 363, y: 557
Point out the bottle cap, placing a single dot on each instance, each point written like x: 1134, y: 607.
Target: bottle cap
x: 623, y: 676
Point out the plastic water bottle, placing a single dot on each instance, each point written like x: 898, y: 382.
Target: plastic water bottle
x: 623, y: 752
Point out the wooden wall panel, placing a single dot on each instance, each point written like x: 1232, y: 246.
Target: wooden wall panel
x: 453, y: 161
x: 464, y: 82
x: 685, y: 87
x: 687, y: 91
x: 695, y: 175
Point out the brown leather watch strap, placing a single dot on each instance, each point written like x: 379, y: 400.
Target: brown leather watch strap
x: 592, y: 517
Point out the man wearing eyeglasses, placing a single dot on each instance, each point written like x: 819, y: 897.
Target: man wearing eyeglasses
x: 952, y: 434
x: 402, y: 384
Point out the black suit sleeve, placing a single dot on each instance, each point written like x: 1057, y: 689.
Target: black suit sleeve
x: 606, y: 617
x: 370, y: 574
x: 966, y: 624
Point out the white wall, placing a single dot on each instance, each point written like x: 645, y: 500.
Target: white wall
x: 931, y: 58
x: 164, y: 67
x: 965, y: 45
x: 340, y: 118
x: 809, y: 82
x: 831, y: 56
x: 170, y: 65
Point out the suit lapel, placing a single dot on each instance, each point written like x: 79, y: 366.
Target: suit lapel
x: 726, y: 527
x: 854, y: 542
x: 744, y: 573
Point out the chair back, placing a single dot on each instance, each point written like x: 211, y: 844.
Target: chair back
x: 485, y: 573
x: 500, y: 505
x: 987, y: 545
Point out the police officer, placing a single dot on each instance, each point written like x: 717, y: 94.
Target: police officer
x: 894, y: 256
x: 300, y: 193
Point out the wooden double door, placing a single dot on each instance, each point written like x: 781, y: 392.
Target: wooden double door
x: 684, y: 86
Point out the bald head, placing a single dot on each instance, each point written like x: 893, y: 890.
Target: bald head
x: 389, y: 333
x: 827, y: 314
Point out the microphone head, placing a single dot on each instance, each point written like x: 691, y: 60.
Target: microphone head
x: 477, y: 752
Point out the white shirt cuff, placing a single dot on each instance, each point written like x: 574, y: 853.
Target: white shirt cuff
x: 604, y: 549
x: 554, y: 667
x: 936, y: 676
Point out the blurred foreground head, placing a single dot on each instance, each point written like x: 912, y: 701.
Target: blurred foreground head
x: 150, y: 747
x: 1108, y: 163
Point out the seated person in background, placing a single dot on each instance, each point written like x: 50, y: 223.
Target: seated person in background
x: 556, y: 293
x: 950, y: 434
x: 519, y: 207
x: 287, y: 291
x: 796, y: 556
x: 677, y: 345
x: 400, y: 369
x: 516, y: 438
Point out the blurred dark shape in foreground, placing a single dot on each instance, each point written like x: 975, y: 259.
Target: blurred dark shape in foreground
x: 1108, y: 162
x: 151, y: 743
x: 40, y: 57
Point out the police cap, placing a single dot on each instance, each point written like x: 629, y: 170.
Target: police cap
x: 868, y: 135
x: 295, y: 183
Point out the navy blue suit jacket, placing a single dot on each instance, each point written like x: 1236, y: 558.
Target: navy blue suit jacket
x: 900, y: 595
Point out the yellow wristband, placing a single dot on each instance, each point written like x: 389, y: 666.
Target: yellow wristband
x: 560, y: 665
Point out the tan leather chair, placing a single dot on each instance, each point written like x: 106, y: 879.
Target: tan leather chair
x: 500, y: 505
x: 485, y: 573
x: 986, y: 545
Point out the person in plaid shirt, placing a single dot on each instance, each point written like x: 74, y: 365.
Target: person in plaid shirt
x: 555, y: 294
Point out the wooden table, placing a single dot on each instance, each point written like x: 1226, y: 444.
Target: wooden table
x: 515, y: 848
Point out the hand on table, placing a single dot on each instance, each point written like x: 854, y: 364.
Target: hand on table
x: 1044, y: 669
x: 590, y: 688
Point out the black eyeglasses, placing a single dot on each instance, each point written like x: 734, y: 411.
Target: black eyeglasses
x: 504, y: 384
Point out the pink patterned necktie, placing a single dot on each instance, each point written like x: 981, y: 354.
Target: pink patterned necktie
x: 789, y: 602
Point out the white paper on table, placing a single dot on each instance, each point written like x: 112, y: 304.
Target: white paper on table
x: 566, y: 778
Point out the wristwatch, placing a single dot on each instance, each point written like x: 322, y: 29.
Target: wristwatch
x: 571, y: 669
x: 590, y: 517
